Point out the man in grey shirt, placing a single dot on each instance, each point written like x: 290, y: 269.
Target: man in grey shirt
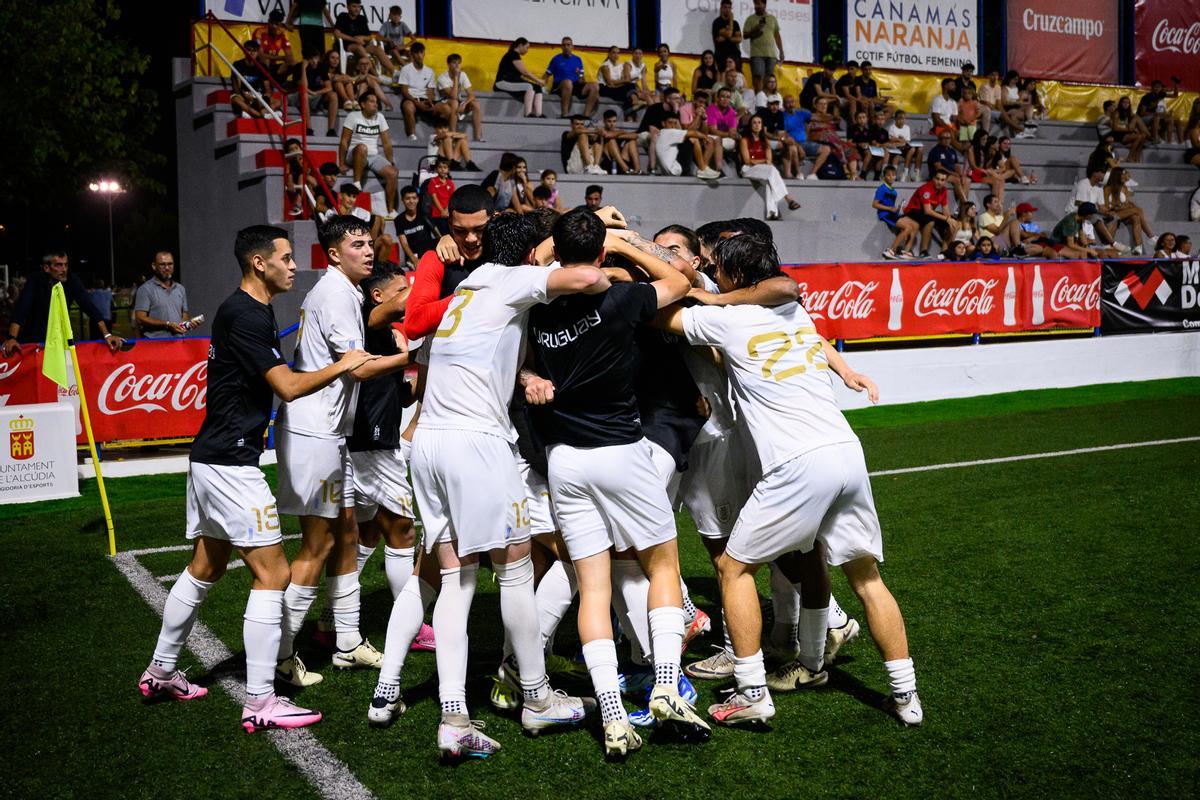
x: 160, y: 305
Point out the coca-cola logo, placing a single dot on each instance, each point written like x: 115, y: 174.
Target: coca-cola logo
x: 1176, y: 40
x: 1069, y: 296
x: 9, y: 368
x: 851, y: 300
x: 124, y: 390
x: 973, y: 297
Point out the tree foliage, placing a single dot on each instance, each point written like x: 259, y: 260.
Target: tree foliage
x: 76, y: 104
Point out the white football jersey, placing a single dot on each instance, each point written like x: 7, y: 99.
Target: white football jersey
x: 477, y: 350
x: 780, y: 376
x: 713, y: 384
x: 330, y: 324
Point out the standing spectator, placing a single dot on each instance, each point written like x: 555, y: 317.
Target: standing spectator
x: 929, y: 209
x: 989, y: 100
x: 368, y: 143
x: 758, y: 167
x: 311, y: 18
x: 995, y: 222
x: 664, y: 70
x: 619, y: 146
x: 415, y: 231
x: 944, y: 158
x: 1129, y: 128
x: 652, y: 122
x: 965, y: 80
x: 1069, y: 237
x: 722, y: 126
x: 795, y: 122
x: 249, y: 78
x: 275, y: 47
x: 868, y: 92
x: 727, y: 35
x: 440, y: 187
x: 514, y: 77
x: 352, y: 28
x: 614, y: 80
x: 846, y: 89
x: 580, y: 149
x: 567, y: 80
x: 396, y: 37
x: 102, y: 297
x: 766, y: 44
x: 160, y: 305
x: 320, y: 92
x: 417, y: 86
x: 969, y: 111
x: 670, y: 144
x: 944, y: 110
x: 900, y: 138
x: 819, y: 85
x: 31, y: 311
x: 454, y: 87
x: 706, y: 73
x: 1118, y: 202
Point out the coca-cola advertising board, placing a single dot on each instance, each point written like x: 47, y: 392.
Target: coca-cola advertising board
x: 1167, y: 42
x: 1151, y: 295
x: 156, y: 390
x: 866, y: 301
x: 1067, y: 40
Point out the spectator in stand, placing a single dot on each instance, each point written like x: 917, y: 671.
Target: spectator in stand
x: 722, y: 126
x: 887, y: 209
x: 820, y: 85
x: 351, y: 202
x: 858, y: 133
x: 362, y: 72
x: 1104, y: 157
x: 580, y: 149
x: 567, y: 80
x: 440, y: 187
x: 454, y: 87
x: 541, y: 197
x: 978, y: 156
x: 451, y: 145
x: 320, y: 92
x: 965, y: 80
x: 1069, y: 238
x: 944, y: 110
x: 766, y: 44
x: 1104, y: 123
x: 310, y: 18
x: 788, y: 153
x: 343, y: 85
x: 1129, y: 128
x: 1004, y: 164
x: 1089, y: 190
x: 929, y: 209
x: 101, y: 297
x: 1192, y: 139
x: 417, y: 84
x: 995, y: 222
x: 1015, y: 114
x: 549, y: 179
x: 275, y: 47
x: 795, y: 123
x: 770, y: 89
x: 294, y: 178
x: 248, y: 79
x: 352, y: 28
x: 513, y: 77
x: 846, y: 89
x: 1034, y: 241
x: 614, y: 80
x: 944, y: 158
x: 366, y: 143
x: 1152, y: 109
x: 706, y: 73
x: 522, y: 188
x: 1118, y: 202
x: 652, y: 122
x: 619, y: 146
x: 969, y: 111
x: 868, y: 92
x: 1194, y: 205
x: 1183, y: 247
x: 31, y: 311
x: 735, y: 82
x: 396, y: 36
x: 900, y: 138
x: 160, y: 304
x: 500, y: 183
x: 985, y: 249
x: 673, y: 140
x: 822, y: 129
x: 635, y: 69
x: 1165, y: 246
x: 1030, y: 96
x: 593, y: 198
x: 693, y: 115
x: 664, y: 71
x: 989, y: 96
x: 416, y: 232
x: 966, y: 233
x: 758, y: 166
x: 727, y: 35
x: 957, y: 250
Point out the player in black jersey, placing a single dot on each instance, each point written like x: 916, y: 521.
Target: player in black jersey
x: 229, y: 503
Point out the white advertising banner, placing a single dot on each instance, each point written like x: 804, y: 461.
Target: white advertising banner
x: 686, y: 25
x: 376, y: 11
x: 37, y: 459
x: 590, y: 23
x: 922, y: 35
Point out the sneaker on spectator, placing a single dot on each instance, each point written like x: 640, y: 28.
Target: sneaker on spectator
x: 1120, y: 247
x: 708, y: 174
x: 1131, y: 183
x: 905, y: 255
x: 1137, y: 251
x: 924, y: 254
x: 388, y: 216
x: 813, y: 176
x: 593, y: 169
x: 890, y: 254
x: 412, y: 137
x: 1025, y: 134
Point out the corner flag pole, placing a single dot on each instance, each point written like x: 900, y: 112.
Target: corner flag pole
x: 87, y: 426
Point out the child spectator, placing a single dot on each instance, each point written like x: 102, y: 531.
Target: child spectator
x: 1183, y: 247
x: 415, y: 231
x: 1165, y: 246
x: 887, y: 208
x: 985, y: 250
x: 900, y: 138
x: 957, y: 251
x: 451, y: 145
x: 454, y: 87
x: 859, y: 135
x: 319, y: 87
x: 396, y: 35
x: 440, y: 187
x: 969, y: 110
x: 541, y: 197
x: 1034, y: 241
x: 550, y: 181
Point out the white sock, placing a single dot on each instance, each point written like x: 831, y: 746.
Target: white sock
x: 902, y: 675
x: 666, y: 631
x: 554, y: 596
x: 179, y: 615
x: 297, y: 600
x: 344, y: 595
x: 398, y: 566
x: 751, y: 675
x: 600, y: 655
x: 837, y: 617
x: 364, y: 553
x: 408, y: 614
x: 814, y: 624
x: 689, y: 608
x: 450, y: 615
x: 785, y: 601
x: 261, y: 629
x: 518, y: 610
x: 725, y: 632
x: 631, y: 590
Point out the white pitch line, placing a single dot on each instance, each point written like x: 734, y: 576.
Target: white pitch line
x: 329, y: 776
x: 175, y: 548
x: 1032, y: 456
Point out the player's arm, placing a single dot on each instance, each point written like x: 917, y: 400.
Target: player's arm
x: 775, y: 291
x: 385, y: 314
x: 576, y: 280
x: 290, y: 385
x: 855, y: 381
x: 382, y: 365
x: 670, y: 319
x: 426, y: 307
x: 655, y: 260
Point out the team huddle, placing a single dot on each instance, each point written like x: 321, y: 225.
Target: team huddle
x: 575, y: 384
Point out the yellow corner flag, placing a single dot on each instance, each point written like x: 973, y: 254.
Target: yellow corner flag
x: 60, y: 338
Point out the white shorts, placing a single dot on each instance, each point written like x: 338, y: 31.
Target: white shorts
x: 537, y: 492
x: 664, y: 465
x: 231, y: 503
x: 824, y: 494
x: 381, y: 479
x: 312, y: 475
x: 469, y: 490
x: 715, y: 485
x: 609, y: 496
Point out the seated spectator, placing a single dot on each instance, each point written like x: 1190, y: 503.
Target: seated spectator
x: 858, y: 133
x: 452, y: 146
x: 343, y: 84
x: 1152, y: 109
x: 706, y: 74
x: 395, y: 37
x: 416, y: 232
x: 567, y: 80
x: 454, y: 87
x: 506, y: 185
x: 900, y: 139
x: 722, y: 126
x: 615, y: 82
x: 944, y: 110
x: 1104, y: 157
x: 580, y: 149
x: 1068, y: 236
x: 868, y: 92
x: 664, y: 71
x: 995, y: 222
x: 352, y: 28
x: 652, y: 122
x: 1034, y: 241
x: 1005, y: 164
x: 635, y: 69
x: 1013, y: 113
x: 355, y: 203
x: 822, y: 129
x: 295, y: 178
x: 929, y: 209
x: 846, y: 89
x: 985, y: 249
x: 887, y: 208
x: 541, y: 197
x: 275, y: 47
x: 969, y: 111
x: 758, y: 167
x: 248, y: 79
x: 320, y: 91
x: 694, y: 114
x: 439, y: 188
x: 770, y: 89
x: 672, y: 140
x: 1089, y: 190
x: 819, y: 85
x: 979, y: 157
x: 549, y: 180
x: 958, y: 250
x: 788, y: 155
x: 513, y: 77
x: 1192, y: 139
x: 523, y: 194
x: 1194, y: 204
x: 1117, y: 201
x: 989, y: 96
x: 1165, y: 246
x: 966, y: 233
x: 734, y: 82
x: 620, y: 147
x: 1104, y: 123
x: 417, y: 84
x: 795, y: 124
x: 1183, y: 247
x: 362, y: 73
x: 1032, y: 99
x: 878, y: 137
x: 944, y: 158
x: 1129, y: 128
x: 366, y: 143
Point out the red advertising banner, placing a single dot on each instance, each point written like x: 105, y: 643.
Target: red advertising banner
x: 1166, y: 37
x: 1067, y: 40
x: 156, y: 390
x: 866, y: 301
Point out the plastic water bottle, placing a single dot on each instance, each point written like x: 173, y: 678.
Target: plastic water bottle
x: 187, y: 325
x: 833, y: 217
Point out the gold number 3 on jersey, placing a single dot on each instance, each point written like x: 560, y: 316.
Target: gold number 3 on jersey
x: 454, y: 313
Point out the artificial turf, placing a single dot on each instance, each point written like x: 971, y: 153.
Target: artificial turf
x: 1049, y: 607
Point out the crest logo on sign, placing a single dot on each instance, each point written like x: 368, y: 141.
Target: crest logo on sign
x: 20, y: 438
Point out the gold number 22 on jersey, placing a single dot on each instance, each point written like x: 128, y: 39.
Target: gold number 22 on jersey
x: 454, y: 313
x: 774, y: 345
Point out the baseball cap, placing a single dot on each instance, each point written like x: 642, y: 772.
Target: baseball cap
x: 1029, y: 208
x: 775, y: 98
x: 1087, y: 209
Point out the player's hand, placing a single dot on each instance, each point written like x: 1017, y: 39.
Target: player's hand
x: 114, y: 342
x: 856, y: 381
x: 704, y: 297
x: 448, y: 251
x: 538, y: 391
x: 401, y: 341
x: 611, y: 217
x: 353, y: 359
x: 702, y: 406
x: 10, y: 346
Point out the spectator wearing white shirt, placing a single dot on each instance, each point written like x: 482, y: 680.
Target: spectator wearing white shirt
x: 900, y: 138
x: 1194, y: 206
x: 367, y: 142
x: 770, y: 91
x: 454, y: 86
x: 1090, y: 190
x: 416, y: 84
x: 944, y: 110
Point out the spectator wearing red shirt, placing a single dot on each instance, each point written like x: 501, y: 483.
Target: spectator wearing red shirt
x: 722, y: 121
x: 929, y: 208
x: 275, y: 46
x: 440, y: 188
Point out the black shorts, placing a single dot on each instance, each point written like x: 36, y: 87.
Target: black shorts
x: 922, y: 219
x: 576, y: 87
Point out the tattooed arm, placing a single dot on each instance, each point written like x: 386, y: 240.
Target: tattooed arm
x: 644, y: 245
x: 670, y: 283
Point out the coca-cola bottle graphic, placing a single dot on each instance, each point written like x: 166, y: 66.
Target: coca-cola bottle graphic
x: 895, y: 301
x: 1039, y: 296
x: 1010, y: 300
